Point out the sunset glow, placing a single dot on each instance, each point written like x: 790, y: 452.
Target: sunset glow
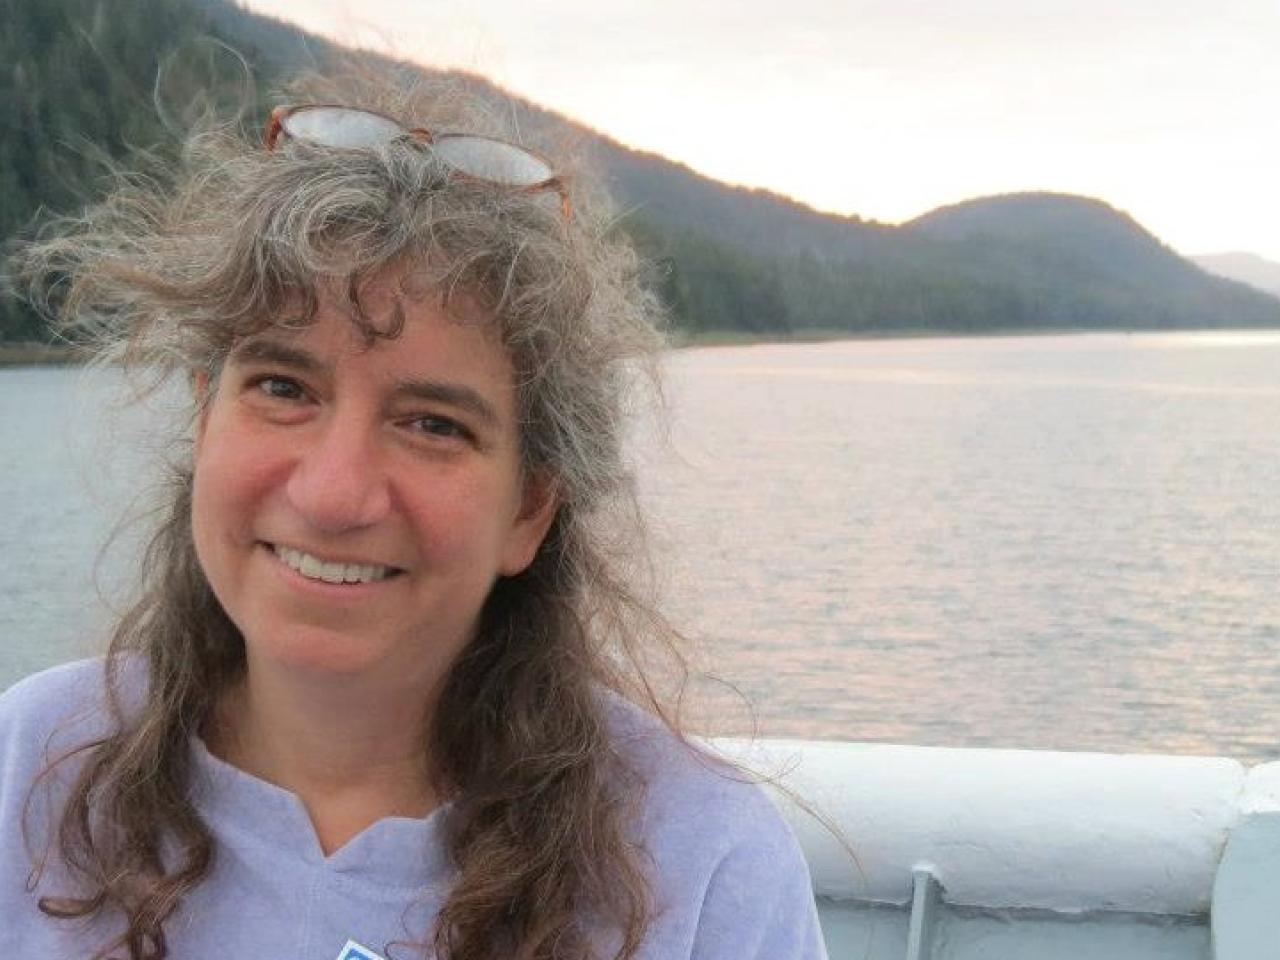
x: 1163, y: 109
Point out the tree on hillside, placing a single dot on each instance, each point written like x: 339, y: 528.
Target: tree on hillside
x: 79, y: 88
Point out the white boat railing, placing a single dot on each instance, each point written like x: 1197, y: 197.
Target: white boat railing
x: 965, y: 854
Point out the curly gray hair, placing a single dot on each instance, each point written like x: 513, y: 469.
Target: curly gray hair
x: 166, y: 275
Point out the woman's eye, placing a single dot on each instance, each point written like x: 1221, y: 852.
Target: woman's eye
x: 441, y: 427
x: 280, y: 388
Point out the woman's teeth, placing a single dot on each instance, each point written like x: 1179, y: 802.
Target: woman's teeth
x: 313, y: 568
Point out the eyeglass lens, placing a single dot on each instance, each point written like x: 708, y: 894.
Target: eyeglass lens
x: 492, y: 160
x: 341, y: 127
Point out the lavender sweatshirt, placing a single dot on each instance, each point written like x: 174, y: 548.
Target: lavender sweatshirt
x: 730, y: 882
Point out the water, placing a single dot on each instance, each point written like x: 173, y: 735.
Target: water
x: 1055, y: 542
x: 72, y: 467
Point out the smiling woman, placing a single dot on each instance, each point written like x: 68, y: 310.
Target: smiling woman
x: 382, y: 693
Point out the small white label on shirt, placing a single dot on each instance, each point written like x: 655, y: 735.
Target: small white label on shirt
x: 353, y: 951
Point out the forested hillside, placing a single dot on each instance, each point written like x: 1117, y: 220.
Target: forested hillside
x: 77, y: 79
x: 77, y: 83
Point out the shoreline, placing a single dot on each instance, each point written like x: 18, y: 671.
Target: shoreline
x: 57, y: 355
x: 40, y: 355
x: 684, y: 340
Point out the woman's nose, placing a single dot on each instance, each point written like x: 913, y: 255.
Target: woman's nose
x: 338, y: 483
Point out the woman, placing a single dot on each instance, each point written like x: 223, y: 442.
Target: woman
x: 381, y: 694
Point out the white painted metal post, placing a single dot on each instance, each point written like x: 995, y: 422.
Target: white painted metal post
x: 926, y: 893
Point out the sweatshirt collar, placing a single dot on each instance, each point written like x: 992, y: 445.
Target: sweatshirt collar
x: 395, y: 852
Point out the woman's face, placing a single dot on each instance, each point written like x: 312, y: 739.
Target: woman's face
x: 354, y: 504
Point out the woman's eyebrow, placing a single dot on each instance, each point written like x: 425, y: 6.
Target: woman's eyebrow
x: 451, y: 394
x: 264, y: 350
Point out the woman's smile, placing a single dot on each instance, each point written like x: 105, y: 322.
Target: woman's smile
x: 325, y: 585
x: 331, y: 571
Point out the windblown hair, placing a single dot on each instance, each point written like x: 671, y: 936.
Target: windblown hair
x: 165, y: 276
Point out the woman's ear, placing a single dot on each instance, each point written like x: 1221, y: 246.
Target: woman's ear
x: 539, y: 503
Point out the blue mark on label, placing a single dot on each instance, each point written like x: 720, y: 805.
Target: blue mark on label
x: 354, y: 951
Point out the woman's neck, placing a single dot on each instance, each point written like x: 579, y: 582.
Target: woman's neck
x: 352, y: 760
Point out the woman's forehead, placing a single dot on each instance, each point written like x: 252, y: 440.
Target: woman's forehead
x: 412, y: 340
x: 376, y: 301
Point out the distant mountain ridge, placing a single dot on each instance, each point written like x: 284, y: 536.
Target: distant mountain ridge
x: 1116, y: 266
x: 1245, y: 267
x: 1087, y: 230
x: 730, y: 258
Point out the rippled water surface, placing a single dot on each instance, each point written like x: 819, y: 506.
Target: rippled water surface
x: 1060, y: 542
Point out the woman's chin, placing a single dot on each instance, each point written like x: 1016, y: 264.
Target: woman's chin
x: 317, y: 654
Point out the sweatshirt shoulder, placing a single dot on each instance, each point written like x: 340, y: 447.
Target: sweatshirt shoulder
x: 692, y: 795
x: 59, y: 708
x: 730, y: 879
x: 54, y: 692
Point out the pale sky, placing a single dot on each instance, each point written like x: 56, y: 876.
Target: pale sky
x: 1167, y: 109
